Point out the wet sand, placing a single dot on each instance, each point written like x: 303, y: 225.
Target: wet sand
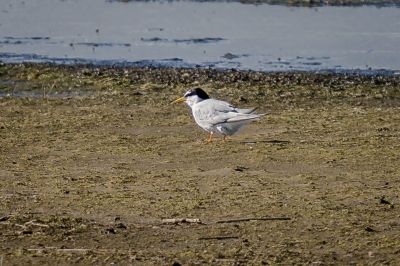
x: 93, y: 160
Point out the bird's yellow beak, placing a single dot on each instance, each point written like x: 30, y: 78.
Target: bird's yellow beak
x: 179, y: 100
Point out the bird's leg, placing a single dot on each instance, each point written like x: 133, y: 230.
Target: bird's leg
x: 224, y: 138
x: 210, y: 137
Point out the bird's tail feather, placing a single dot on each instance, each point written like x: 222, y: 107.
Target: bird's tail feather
x: 246, y: 111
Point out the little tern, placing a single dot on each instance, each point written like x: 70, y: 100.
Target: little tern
x: 215, y: 116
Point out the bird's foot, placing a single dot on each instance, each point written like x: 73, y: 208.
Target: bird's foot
x: 209, y: 140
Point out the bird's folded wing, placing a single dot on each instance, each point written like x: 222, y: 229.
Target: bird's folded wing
x: 216, y: 112
x: 234, y: 118
x: 224, y: 107
x: 245, y: 111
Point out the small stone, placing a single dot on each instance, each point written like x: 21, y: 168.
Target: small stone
x: 110, y: 231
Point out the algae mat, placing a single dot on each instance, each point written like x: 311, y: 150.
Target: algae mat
x: 97, y: 167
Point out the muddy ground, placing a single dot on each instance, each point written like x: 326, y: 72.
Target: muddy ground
x: 93, y: 160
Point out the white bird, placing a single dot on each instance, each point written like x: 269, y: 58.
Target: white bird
x: 215, y: 116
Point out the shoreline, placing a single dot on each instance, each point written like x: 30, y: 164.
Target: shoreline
x: 34, y: 77
x: 302, y: 3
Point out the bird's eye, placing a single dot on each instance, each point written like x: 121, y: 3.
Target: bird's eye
x: 189, y: 93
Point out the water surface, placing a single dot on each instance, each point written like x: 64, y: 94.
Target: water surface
x: 208, y: 34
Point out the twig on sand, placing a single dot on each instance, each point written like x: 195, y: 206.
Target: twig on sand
x: 218, y: 237
x: 181, y: 220
x: 238, y: 220
x: 36, y: 224
x: 274, y: 141
x: 253, y: 219
x: 72, y: 250
x: 5, y: 218
x: 20, y: 225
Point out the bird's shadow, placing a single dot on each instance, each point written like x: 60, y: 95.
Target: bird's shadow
x: 273, y: 141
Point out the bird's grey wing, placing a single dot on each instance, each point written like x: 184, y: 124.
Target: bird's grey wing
x: 246, y: 111
x: 217, y: 112
x: 235, y: 118
x: 227, y: 107
x: 211, y: 109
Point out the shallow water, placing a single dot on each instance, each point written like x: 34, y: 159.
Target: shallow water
x: 188, y: 34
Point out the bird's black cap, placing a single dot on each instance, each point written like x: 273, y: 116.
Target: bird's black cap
x: 199, y: 92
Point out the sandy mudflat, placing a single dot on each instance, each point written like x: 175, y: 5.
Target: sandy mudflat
x: 92, y: 160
